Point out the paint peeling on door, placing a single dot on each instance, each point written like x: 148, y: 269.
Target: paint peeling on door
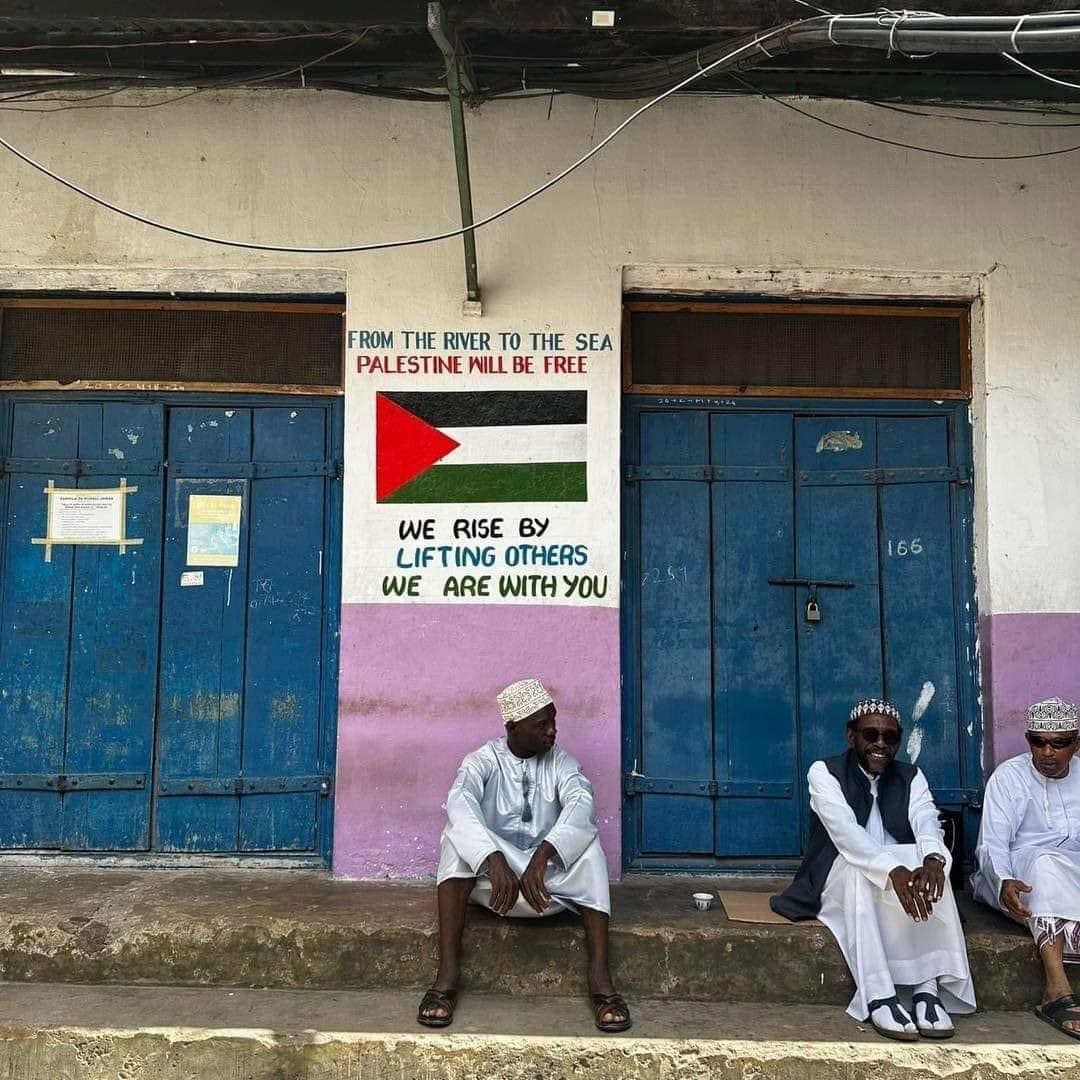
x: 915, y: 739
x: 839, y: 441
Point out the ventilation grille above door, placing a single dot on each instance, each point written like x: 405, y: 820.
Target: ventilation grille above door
x: 812, y: 349
x: 269, y: 346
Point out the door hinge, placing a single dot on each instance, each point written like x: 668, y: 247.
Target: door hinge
x: 245, y: 785
x: 61, y: 782
x: 636, y: 784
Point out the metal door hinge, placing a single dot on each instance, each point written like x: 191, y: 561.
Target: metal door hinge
x: 245, y: 785
x: 636, y: 784
x: 61, y: 782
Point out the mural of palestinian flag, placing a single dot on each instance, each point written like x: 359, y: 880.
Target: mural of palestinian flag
x: 483, y: 446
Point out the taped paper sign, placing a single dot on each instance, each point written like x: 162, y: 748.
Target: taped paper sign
x: 86, y: 516
x: 191, y: 577
x: 214, y: 530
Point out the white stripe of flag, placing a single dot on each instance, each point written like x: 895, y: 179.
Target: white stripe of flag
x: 516, y: 444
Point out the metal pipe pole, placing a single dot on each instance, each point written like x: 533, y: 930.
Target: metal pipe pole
x: 454, y: 81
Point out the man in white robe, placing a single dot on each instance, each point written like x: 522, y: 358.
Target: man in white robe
x: 521, y: 840
x: 876, y: 874
x: 1029, y: 851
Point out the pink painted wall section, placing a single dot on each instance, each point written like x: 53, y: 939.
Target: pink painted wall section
x: 417, y: 693
x: 1025, y: 658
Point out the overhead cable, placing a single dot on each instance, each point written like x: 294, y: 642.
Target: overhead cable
x: 908, y: 33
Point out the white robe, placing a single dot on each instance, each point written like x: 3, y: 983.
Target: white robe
x: 1031, y: 831
x: 883, y: 946
x: 484, y: 809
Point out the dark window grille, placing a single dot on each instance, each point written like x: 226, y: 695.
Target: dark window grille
x: 807, y: 348
x: 267, y: 345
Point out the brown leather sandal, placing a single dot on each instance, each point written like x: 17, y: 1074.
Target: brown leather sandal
x: 437, y: 999
x: 611, y: 1003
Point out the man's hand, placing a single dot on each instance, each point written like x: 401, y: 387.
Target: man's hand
x: 930, y: 880
x: 911, y: 899
x: 1011, y: 888
x: 532, y: 881
x: 504, y: 886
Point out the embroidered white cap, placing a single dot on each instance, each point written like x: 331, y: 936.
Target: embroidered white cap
x: 1053, y: 714
x: 522, y: 699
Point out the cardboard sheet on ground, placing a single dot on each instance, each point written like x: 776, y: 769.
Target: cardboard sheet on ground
x: 752, y: 907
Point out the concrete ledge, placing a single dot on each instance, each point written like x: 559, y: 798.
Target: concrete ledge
x: 303, y: 930
x: 120, y: 1033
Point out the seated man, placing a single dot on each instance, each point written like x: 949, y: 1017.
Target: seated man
x: 521, y: 840
x: 1029, y: 851
x: 875, y: 874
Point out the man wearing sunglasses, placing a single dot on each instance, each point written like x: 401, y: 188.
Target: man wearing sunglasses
x: 1029, y: 851
x: 522, y: 841
x: 876, y: 874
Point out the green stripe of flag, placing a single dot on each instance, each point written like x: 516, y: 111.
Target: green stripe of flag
x: 538, y: 481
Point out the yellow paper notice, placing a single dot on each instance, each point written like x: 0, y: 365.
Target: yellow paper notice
x: 214, y: 530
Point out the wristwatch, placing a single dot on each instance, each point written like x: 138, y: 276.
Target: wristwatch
x: 937, y: 857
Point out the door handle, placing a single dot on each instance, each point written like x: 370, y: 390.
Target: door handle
x: 811, y: 583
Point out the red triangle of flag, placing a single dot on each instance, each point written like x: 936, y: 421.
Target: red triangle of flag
x: 405, y: 446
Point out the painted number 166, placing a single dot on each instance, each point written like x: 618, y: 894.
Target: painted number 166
x: 901, y: 548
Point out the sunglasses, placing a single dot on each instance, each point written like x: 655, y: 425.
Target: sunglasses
x: 890, y: 736
x: 1062, y: 742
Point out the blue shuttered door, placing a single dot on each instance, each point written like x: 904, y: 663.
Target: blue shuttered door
x: 717, y: 649
x: 880, y: 515
x: 240, y: 750
x: 735, y: 521
x: 78, y: 648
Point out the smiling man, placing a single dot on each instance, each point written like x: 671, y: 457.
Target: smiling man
x: 1029, y: 851
x: 875, y: 873
x: 522, y: 841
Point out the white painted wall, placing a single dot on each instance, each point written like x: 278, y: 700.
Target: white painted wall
x: 706, y: 182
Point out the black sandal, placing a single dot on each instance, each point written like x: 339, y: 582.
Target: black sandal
x: 611, y: 1003
x: 1059, y: 1012
x: 437, y: 999
x: 933, y: 1003
x: 898, y: 1014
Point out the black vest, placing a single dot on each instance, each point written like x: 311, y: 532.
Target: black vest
x: 802, y: 898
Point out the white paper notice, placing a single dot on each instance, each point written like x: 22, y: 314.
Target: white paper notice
x: 191, y: 577
x: 86, y: 516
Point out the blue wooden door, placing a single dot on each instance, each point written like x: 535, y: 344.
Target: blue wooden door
x: 732, y: 518
x: 874, y: 498
x: 78, y: 639
x: 242, y: 756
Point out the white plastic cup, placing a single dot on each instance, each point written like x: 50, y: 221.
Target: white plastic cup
x: 703, y: 900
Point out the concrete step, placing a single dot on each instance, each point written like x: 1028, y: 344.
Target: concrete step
x: 297, y: 929
x: 143, y: 1033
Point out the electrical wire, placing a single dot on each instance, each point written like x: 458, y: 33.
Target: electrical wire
x: 628, y: 84
x: 258, y: 40
x: 1041, y: 74
x: 937, y: 152
x: 247, y: 79
x: 973, y: 119
x: 448, y: 234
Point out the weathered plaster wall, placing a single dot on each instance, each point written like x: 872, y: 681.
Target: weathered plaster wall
x: 709, y: 182
x: 431, y: 695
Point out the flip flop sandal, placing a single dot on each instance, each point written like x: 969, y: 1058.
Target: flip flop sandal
x: 436, y: 999
x: 611, y: 1003
x: 898, y: 1014
x: 1059, y: 1012
x: 933, y: 1003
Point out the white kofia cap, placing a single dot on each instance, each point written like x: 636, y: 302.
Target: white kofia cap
x: 1053, y: 714
x: 522, y: 699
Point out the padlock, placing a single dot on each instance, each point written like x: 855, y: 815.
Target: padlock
x: 813, y: 612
